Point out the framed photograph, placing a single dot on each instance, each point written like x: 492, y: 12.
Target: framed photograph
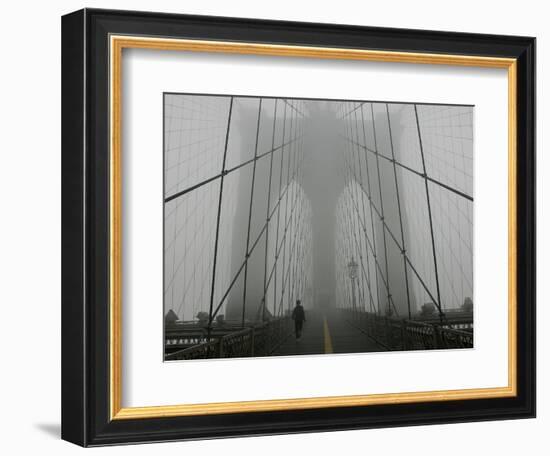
x: 279, y: 227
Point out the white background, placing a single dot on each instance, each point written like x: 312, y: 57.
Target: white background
x: 30, y: 232
x: 148, y: 73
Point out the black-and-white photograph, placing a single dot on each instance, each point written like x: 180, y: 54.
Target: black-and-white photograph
x: 309, y: 227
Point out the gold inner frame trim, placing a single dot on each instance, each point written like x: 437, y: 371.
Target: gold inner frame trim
x: 117, y: 44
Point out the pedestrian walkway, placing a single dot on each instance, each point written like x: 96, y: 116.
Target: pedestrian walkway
x: 327, y: 332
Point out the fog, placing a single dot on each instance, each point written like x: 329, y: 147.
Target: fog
x: 269, y: 201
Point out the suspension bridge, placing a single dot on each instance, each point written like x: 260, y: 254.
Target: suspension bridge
x: 360, y: 210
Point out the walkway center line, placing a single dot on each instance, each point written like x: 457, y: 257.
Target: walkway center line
x: 328, y: 340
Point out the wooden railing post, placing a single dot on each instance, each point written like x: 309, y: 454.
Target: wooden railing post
x: 220, y: 347
x: 437, y: 337
x: 404, y: 341
x: 388, y: 333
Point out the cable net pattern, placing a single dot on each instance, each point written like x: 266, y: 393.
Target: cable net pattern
x: 406, y: 214
x: 237, y: 222
x: 238, y: 234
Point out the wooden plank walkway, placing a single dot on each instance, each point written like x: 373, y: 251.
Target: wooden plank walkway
x: 327, y: 332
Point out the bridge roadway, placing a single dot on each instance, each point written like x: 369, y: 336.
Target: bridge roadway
x: 327, y: 331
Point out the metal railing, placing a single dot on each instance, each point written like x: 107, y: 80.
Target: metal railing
x: 403, y: 334
x: 257, y: 340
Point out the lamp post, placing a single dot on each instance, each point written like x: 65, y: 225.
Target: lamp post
x: 352, y: 272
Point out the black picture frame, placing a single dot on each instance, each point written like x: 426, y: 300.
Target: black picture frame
x: 85, y: 228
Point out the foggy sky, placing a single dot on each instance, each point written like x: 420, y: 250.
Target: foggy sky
x: 327, y: 193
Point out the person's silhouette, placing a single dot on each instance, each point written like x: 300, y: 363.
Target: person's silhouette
x: 299, y: 317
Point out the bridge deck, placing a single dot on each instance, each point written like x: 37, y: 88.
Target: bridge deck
x: 327, y: 332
